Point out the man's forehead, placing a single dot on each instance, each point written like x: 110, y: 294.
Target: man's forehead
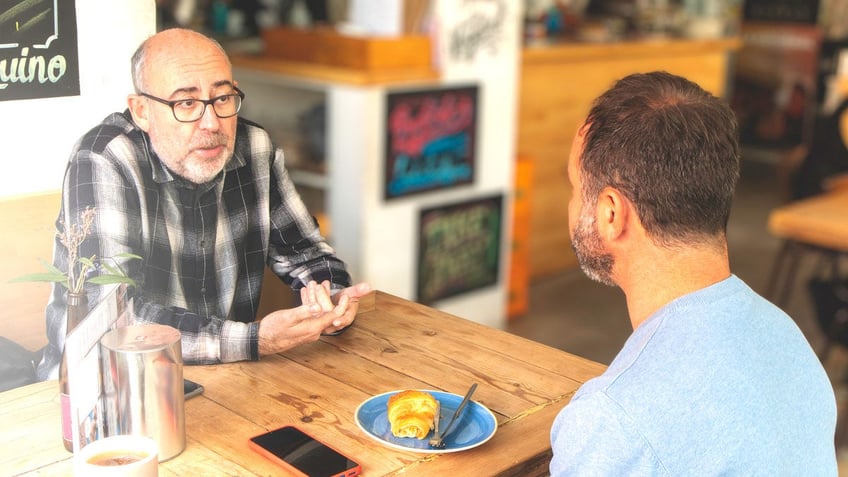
x: 182, y: 72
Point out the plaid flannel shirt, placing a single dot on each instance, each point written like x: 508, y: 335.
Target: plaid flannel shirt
x: 204, y: 247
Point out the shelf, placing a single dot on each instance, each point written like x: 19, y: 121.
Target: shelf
x: 323, y: 54
x: 557, y: 52
x: 337, y: 74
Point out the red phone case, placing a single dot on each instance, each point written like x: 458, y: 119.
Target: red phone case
x: 352, y: 472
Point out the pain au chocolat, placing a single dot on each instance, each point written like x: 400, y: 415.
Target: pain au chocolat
x: 411, y: 413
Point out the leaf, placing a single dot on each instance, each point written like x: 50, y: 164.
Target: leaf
x: 129, y: 255
x: 49, y: 266
x: 111, y: 279
x: 40, y: 277
x: 112, y: 269
x: 115, y: 273
x: 88, y: 262
x: 52, y: 275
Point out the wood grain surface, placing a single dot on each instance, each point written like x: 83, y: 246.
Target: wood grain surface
x: 395, y: 344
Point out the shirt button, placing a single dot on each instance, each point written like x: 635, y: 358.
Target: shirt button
x: 203, y: 290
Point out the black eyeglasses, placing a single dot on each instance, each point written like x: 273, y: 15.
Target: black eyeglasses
x: 192, y: 109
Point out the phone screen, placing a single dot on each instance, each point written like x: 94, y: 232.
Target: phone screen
x: 304, y: 453
x: 191, y: 389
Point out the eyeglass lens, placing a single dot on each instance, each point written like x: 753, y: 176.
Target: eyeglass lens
x: 189, y: 110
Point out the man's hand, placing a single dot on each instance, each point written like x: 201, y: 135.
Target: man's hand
x: 352, y: 296
x: 319, y: 314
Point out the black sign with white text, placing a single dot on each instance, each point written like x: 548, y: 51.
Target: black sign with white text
x: 38, y: 49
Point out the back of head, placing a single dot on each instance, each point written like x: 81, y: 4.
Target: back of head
x: 671, y: 148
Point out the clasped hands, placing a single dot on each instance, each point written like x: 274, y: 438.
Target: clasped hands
x: 319, y: 313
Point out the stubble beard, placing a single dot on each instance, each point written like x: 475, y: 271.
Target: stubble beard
x: 196, y: 169
x: 201, y: 171
x: 586, y: 242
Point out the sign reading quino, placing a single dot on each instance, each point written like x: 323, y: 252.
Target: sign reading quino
x: 38, y: 49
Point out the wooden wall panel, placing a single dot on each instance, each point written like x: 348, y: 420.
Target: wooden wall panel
x: 557, y: 86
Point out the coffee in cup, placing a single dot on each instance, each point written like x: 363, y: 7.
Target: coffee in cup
x: 118, y: 456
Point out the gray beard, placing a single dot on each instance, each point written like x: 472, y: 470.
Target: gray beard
x: 595, y: 262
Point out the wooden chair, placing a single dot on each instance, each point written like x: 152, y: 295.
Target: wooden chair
x: 814, y: 226
x: 818, y: 224
x: 815, y: 218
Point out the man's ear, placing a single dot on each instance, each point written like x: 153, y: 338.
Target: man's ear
x: 613, y: 212
x: 139, y: 110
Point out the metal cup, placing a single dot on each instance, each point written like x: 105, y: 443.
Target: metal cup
x: 143, y: 385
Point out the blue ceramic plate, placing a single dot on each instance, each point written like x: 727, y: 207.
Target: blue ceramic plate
x: 475, y: 426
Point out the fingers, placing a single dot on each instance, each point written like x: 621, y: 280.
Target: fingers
x: 346, y: 320
x: 304, y: 295
x: 359, y: 290
x: 340, y: 311
x: 322, y: 295
x: 319, y: 295
x: 320, y: 301
x: 317, y: 315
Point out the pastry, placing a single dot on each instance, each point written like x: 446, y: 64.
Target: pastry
x: 411, y: 413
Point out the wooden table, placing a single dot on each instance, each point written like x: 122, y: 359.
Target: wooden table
x: 817, y: 224
x: 395, y: 344
x: 821, y: 220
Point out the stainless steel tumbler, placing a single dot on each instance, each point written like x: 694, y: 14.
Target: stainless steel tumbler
x: 143, y: 384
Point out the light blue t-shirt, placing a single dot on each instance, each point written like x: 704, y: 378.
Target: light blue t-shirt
x: 718, y: 382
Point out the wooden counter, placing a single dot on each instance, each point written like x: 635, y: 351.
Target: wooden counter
x: 558, y: 84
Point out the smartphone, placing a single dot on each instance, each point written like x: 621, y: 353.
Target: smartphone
x: 191, y: 389
x: 297, y: 451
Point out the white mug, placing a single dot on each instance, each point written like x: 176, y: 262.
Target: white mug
x: 118, y: 456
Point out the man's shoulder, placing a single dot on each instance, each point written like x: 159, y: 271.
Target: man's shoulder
x: 253, y: 140
x: 251, y: 128
x: 593, y: 435
x: 116, y: 126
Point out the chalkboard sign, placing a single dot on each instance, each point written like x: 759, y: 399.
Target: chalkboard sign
x: 430, y: 140
x: 38, y: 49
x: 459, y: 248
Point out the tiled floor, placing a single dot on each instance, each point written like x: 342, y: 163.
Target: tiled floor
x: 570, y: 312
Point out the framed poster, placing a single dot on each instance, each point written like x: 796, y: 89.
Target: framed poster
x: 38, y: 49
x: 430, y: 140
x: 459, y: 248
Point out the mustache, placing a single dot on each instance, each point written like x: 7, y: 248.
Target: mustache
x: 209, y: 140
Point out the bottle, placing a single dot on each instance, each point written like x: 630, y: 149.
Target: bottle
x: 77, y: 309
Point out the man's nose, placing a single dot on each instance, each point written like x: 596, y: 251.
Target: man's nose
x: 210, y: 120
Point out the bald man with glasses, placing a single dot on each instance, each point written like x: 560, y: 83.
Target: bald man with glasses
x: 203, y: 196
